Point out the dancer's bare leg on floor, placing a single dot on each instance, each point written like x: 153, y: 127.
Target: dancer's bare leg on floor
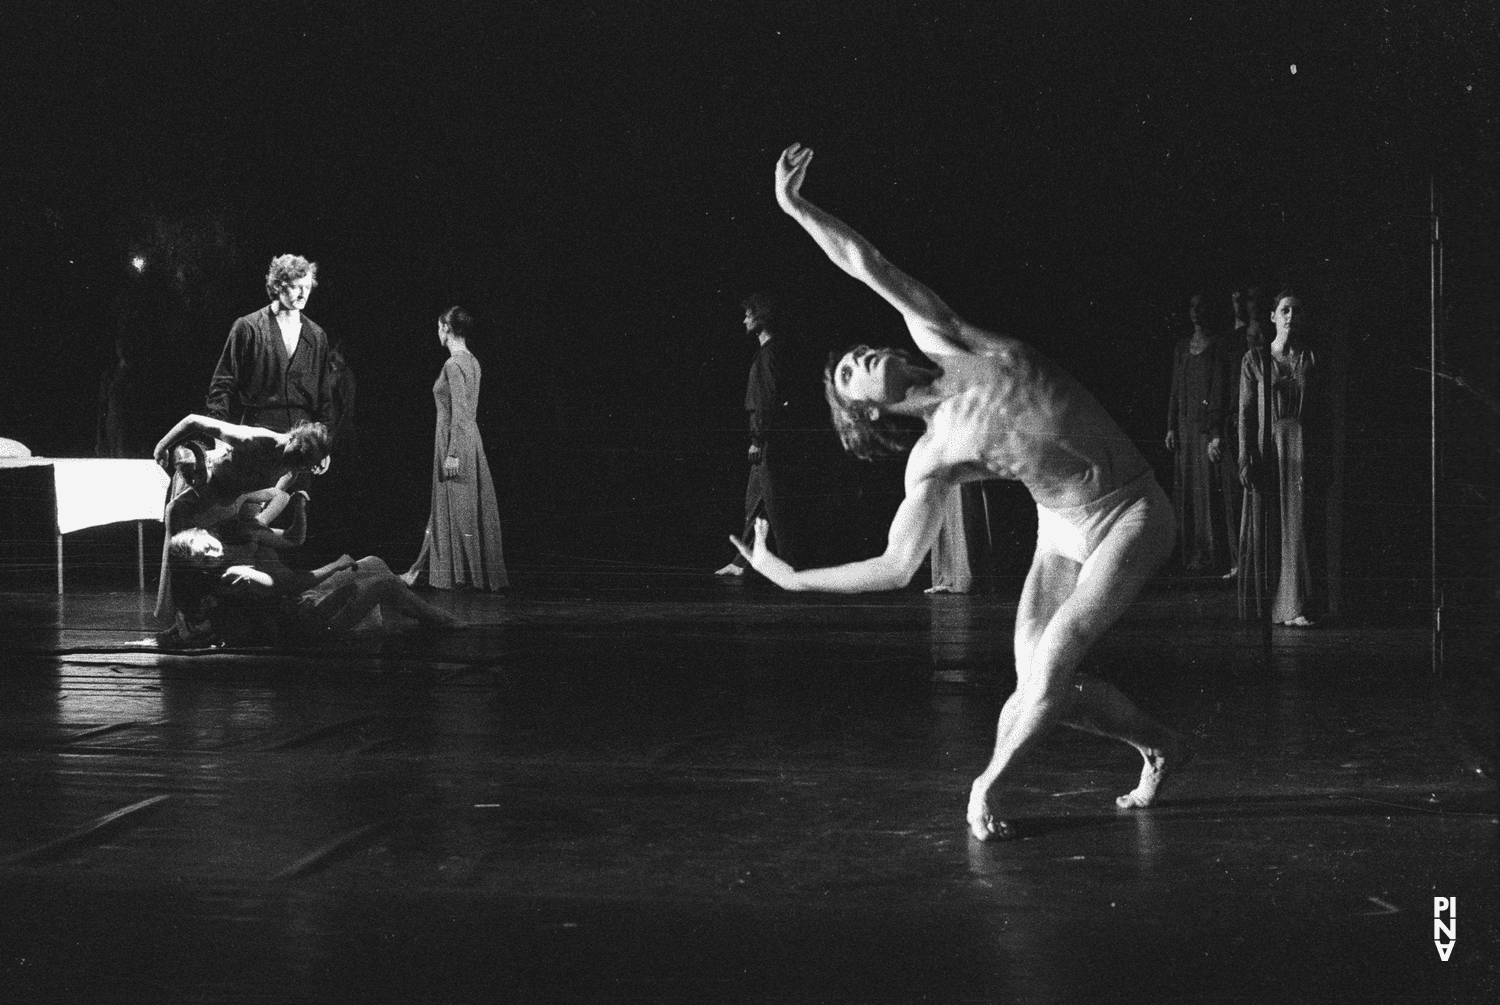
x: 375, y: 583
x: 1065, y: 608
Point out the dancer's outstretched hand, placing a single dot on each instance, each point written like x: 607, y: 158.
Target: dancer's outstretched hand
x: 790, y: 170
x: 759, y: 556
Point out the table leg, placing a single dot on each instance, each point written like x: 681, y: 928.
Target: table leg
x: 140, y: 555
x: 59, y: 564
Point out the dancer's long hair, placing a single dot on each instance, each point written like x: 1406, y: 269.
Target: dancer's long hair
x: 308, y: 443
x: 862, y: 436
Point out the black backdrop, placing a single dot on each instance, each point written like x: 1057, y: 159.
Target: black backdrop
x: 593, y: 181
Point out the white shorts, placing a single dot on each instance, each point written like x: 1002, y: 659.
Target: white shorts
x: 1076, y: 531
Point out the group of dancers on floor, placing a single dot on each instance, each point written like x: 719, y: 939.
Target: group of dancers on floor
x: 223, y: 577
x: 976, y: 405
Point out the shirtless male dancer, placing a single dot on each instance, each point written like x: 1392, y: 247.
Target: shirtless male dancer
x: 994, y: 407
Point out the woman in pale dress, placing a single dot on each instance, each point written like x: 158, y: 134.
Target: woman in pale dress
x: 1283, y: 415
x: 461, y: 546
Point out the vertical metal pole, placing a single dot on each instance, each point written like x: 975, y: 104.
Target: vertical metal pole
x: 59, y: 564
x: 1435, y: 279
x: 140, y: 555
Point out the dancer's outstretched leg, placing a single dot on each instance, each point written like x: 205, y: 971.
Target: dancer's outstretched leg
x: 375, y: 583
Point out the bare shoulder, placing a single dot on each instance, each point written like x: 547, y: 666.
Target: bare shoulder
x: 926, y: 468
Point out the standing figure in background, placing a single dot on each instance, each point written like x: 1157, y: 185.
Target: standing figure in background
x: 1280, y: 410
x: 461, y: 546
x: 276, y: 368
x: 966, y: 552
x: 768, y: 403
x: 1195, y: 425
x: 118, y: 430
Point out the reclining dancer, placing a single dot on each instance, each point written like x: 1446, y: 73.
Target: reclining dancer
x: 239, y: 562
x: 994, y: 407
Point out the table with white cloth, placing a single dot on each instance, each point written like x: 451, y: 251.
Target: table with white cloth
x: 93, y: 491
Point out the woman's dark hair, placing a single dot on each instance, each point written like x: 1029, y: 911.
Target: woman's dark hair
x: 458, y: 321
x: 307, y: 442
x: 861, y: 435
x: 287, y: 269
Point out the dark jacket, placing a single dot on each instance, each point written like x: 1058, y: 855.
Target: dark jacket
x: 256, y: 385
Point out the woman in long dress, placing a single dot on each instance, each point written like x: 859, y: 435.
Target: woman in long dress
x: 1281, y: 403
x: 461, y: 546
x: 1195, y: 426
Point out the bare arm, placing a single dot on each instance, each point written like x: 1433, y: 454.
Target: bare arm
x: 934, y: 326
x: 275, y: 500
x: 269, y: 577
x: 912, y: 532
x: 230, y: 432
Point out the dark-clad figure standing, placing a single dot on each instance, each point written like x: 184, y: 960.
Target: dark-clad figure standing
x: 1282, y: 405
x: 1196, y: 420
x: 769, y: 409
x: 275, y: 370
x: 994, y: 407
x: 461, y: 546
x: 120, y: 428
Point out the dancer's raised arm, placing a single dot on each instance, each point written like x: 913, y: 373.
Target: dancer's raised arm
x: 202, y: 424
x: 934, y: 326
x: 912, y: 532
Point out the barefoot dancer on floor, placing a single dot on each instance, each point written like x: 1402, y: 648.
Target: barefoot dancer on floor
x: 994, y: 407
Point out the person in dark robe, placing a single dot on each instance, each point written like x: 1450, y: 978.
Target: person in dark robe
x: 118, y: 429
x: 1195, y: 430
x: 276, y: 368
x: 1285, y: 421
x: 770, y: 409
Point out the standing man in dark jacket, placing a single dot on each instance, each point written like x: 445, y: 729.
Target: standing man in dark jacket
x: 767, y: 402
x: 276, y: 370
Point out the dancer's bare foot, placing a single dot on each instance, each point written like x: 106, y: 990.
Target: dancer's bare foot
x: 1161, y: 762
x: 983, y: 823
x: 730, y: 570
x: 1300, y: 621
x: 409, y: 577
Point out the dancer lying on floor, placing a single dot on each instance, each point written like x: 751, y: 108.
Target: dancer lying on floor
x: 994, y: 407
x: 235, y: 572
x: 244, y: 460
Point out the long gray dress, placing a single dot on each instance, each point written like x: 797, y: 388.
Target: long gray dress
x: 461, y: 546
x: 1281, y: 524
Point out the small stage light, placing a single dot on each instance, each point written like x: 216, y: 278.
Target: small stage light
x: 138, y: 263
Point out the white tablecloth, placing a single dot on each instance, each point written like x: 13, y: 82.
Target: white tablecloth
x: 92, y: 491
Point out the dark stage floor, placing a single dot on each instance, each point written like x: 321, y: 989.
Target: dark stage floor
x: 658, y: 789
